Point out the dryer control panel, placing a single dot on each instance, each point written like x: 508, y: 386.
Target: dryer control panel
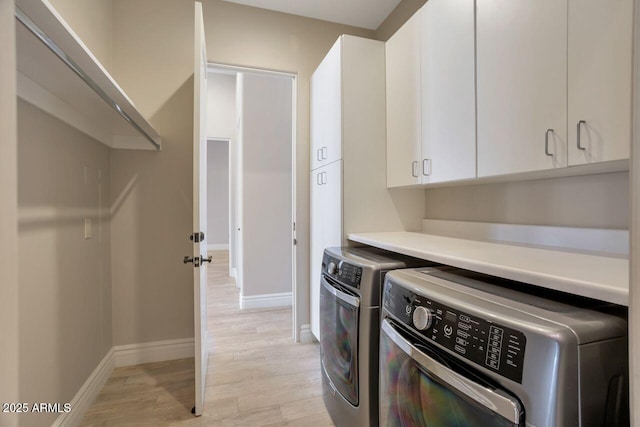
x: 482, y: 341
x: 342, y: 271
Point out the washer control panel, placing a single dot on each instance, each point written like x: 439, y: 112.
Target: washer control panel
x: 489, y: 344
x: 342, y: 271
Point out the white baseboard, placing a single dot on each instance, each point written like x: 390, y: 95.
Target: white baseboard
x: 83, y: 399
x: 158, y: 351
x: 218, y: 247
x: 306, y: 337
x: 283, y: 299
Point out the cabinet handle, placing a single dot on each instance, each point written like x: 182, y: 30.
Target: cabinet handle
x: 546, y: 142
x: 318, y: 179
x: 414, y: 168
x: 426, y: 165
x: 319, y: 154
x: 325, y: 153
x: 581, y: 122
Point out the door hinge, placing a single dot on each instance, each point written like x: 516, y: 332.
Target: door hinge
x: 295, y: 242
x: 197, y: 237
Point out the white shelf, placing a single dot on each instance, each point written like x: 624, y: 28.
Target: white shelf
x: 71, y: 84
x: 600, y: 277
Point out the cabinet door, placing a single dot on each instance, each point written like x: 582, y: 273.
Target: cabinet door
x: 448, y: 91
x: 600, y: 46
x: 316, y: 112
x: 326, y: 109
x: 316, y: 249
x: 332, y: 204
x: 521, y: 85
x: 403, y: 104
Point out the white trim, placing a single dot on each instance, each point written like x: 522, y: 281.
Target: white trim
x: 233, y: 272
x: 218, y: 247
x: 306, y: 337
x: 83, y: 399
x: 215, y: 67
x: 157, y: 351
x: 294, y: 215
x: 593, y: 240
x: 282, y: 299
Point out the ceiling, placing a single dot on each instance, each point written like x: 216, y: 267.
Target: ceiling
x: 359, y: 13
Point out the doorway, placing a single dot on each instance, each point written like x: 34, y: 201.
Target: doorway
x: 253, y: 111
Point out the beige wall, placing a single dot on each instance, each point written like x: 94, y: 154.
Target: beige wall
x: 397, y: 18
x: 265, y: 106
x: 217, y: 232
x: 152, y: 192
x: 65, y: 281
x: 600, y: 201
x: 9, y: 379
x: 92, y: 21
x: 221, y: 106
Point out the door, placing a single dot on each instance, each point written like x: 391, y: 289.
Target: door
x: 326, y: 228
x: 200, y: 206
x: 600, y: 43
x: 422, y: 387
x: 448, y: 91
x: 316, y: 249
x: 521, y: 85
x: 340, y: 310
x: 326, y: 109
x: 403, y: 104
x: 332, y: 204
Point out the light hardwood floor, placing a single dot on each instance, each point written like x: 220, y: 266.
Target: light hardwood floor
x: 257, y: 375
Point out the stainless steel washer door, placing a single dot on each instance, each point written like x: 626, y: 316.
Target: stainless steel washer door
x: 416, y: 390
x: 339, y: 312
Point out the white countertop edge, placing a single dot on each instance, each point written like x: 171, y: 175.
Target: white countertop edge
x: 604, y: 292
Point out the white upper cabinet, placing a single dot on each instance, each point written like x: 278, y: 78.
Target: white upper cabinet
x: 522, y: 85
x: 326, y: 109
x: 448, y: 91
x: 600, y: 46
x: 431, y: 123
x: 403, y: 105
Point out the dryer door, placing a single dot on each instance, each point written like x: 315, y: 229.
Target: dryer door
x: 339, y: 312
x: 418, y: 390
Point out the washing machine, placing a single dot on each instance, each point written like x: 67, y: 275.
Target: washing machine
x: 458, y: 348
x: 350, y: 294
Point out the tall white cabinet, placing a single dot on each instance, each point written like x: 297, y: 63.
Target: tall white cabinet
x: 348, y: 155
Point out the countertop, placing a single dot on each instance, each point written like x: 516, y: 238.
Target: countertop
x: 599, y: 277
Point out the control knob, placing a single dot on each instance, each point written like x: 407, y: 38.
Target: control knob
x: 332, y: 268
x: 422, y: 318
